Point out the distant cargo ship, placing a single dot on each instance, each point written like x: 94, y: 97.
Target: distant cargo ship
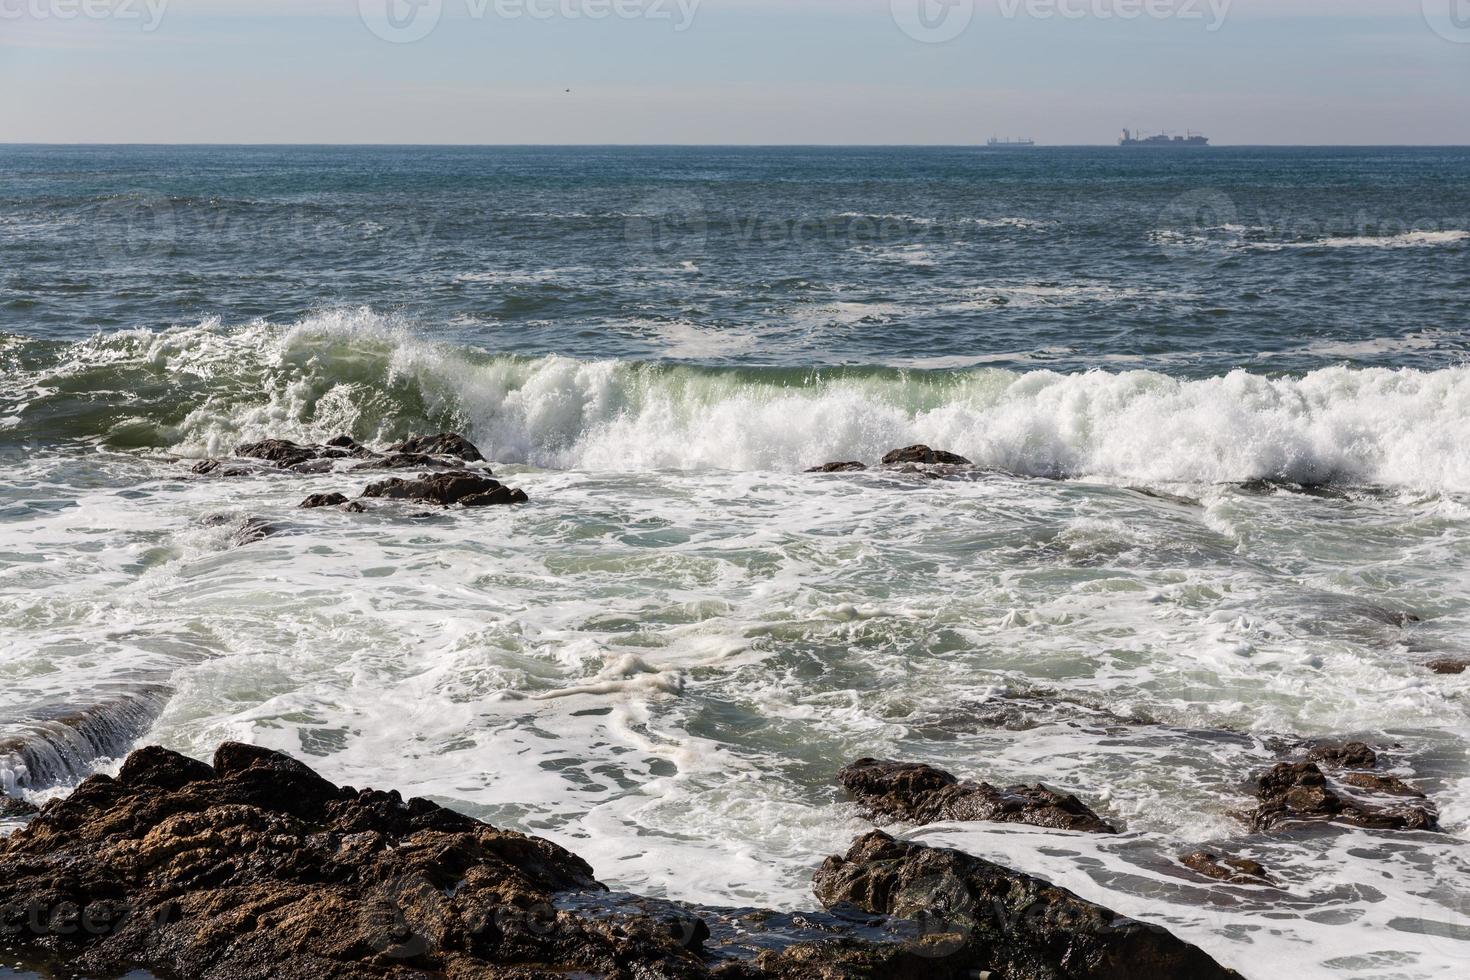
x: 1000, y: 144
x: 1162, y: 139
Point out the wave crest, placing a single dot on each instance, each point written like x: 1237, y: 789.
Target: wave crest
x: 200, y: 390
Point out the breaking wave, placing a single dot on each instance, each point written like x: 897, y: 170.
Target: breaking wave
x: 199, y: 390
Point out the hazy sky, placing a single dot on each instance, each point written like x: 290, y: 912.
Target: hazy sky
x: 732, y: 71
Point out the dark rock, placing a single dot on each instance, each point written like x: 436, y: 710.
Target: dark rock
x: 1298, y: 794
x: 1234, y: 871
x: 991, y: 919
x: 279, y: 451
x: 1449, y: 667
x: 924, y: 456
x: 257, y: 868
x: 355, y: 508
x: 439, y: 488
x: 498, y: 497
x: 853, y: 467
x: 920, y: 794
x: 323, y: 500
x: 412, y: 461
x: 14, y: 808
x: 1351, y: 755
x: 224, y: 469
x: 445, y: 444
x: 252, y: 530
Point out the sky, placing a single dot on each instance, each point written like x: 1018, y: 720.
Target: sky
x: 950, y: 72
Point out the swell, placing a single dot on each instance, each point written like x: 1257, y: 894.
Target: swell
x: 199, y: 390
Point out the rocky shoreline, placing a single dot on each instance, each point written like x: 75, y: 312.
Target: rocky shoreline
x: 257, y: 867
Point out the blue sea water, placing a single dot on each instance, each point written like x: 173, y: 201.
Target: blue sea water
x: 1217, y: 401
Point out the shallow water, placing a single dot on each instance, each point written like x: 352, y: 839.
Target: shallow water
x: 664, y: 658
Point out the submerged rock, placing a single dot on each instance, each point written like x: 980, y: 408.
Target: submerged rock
x: 852, y: 467
x: 444, y: 488
x: 257, y: 868
x: 1301, y: 793
x: 323, y: 500
x: 444, y: 444
x: 1234, y: 871
x: 924, y: 456
x: 1000, y: 921
x: 920, y: 794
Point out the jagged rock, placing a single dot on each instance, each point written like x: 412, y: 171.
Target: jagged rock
x: 924, y: 456
x: 439, y: 488
x: 1298, y: 794
x: 1351, y: 755
x: 920, y: 794
x: 1010, y: 924
x: 1235, y: 871
x: 225, y: 469
x: 248, y: 530
x: 1449, y: 667
x: 444, y: 444
x: 257, y: 868
x: 853, y: 467
x: 282, y: 452
x: 323, y: 500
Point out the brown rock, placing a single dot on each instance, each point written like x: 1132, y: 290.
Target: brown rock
x: 978, y: 914
x: 1449, y: 667
x: 924, y: 456
x: 1299, y: 794
x: 853, y: 467
x: 1235, y: 871
x: 920, y: 794
x: 323, y: 500
x: 257, y: 868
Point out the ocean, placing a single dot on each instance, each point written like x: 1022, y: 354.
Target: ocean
x: 1218, y: 400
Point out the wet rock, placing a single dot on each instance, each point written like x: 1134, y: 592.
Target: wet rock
x: 923, y: 456
x: 13, y: 808
x: 1449, y: 667
x: 853, y: 467
x: 991, y: 919
x: 225, y: 469
x: 412, y: 461
x: 444, y: 444
x: 1234, y: 871
x: 499, y: 497
x: 248, y: 530
x: 323, y: 500
x: 1299, y: 794
x: 282, y: 452
x: 440, y: 488
x: 1351, y: 755
x: 257, y: 868
x: 355, y: 508
x: 920, y: 794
